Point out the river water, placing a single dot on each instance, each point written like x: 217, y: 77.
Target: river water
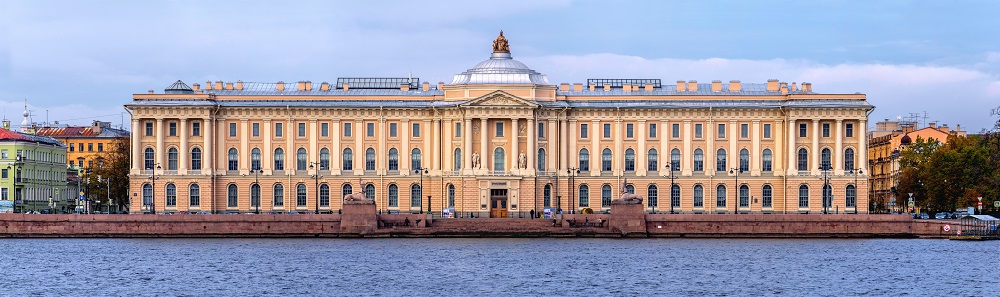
x: 499, y: 267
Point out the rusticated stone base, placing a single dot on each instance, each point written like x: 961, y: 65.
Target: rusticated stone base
x: 628, y: 219
x: 358, y: 219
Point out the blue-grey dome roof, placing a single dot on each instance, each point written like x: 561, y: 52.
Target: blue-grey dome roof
x: 501, y: 68
x: 178, y: 87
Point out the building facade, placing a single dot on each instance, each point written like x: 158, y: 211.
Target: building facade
x: 33, y: 173
x: 499, y: 140
x: 885, y: 144
x: 85, y: 143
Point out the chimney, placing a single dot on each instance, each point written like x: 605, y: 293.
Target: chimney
x: 346, y: 87
x: 426, y: 86
x: 794, y: 87
x: 218, y: 85
x: 309, y: 85
x: 933, y: 125
x: 607, y: 87
x: 734, y: 86
x: 281, y: 86
x: 693, y: 86
x: 592, y: 87
x: 635, y: 88
x: 577, y: 87
x: 626, y: 87
x: 196, y: 87
x: 150, y: 91
x: 404, y: 87
x: 239, y: 85
x: 716, y: 86
x: 229, y: 86
x: 958, y: 128
x: 681, y: 87
x: 648, y: 87
x: 301, y: 85
x: 772, y: 85
x: 440, y: 85
x: 324, y: 86
x: 784, y: 88
x: 807, y: 87
x: 208, y: 85
x: 563, y: 87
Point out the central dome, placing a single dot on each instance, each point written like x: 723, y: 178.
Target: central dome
x: 501, y: 68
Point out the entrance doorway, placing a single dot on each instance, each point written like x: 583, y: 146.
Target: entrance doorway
x: 498, y: 203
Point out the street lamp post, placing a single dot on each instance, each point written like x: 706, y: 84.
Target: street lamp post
x: 17, y: 162
x: 736, y: 201
x: 256, y: 182
x: 826, y: 184
x: 422, y: 171
x: 670, y: 171
x: 856, y: 172
x: 316, y: 176
x: 152, y: 197
x: 572, y: 172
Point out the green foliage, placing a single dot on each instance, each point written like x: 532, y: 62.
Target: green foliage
x: 114, y: 168
x: 945, y: 176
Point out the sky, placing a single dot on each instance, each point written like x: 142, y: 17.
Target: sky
x: 79, y: 61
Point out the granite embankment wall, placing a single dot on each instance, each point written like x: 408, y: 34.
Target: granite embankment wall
x: 418, y: 225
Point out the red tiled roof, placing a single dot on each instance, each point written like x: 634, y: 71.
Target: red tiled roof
x: 11, y: 135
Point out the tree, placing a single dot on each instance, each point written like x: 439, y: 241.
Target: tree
x: 113, y: 166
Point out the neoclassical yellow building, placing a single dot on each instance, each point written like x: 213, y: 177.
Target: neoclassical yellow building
x: 500, y: 141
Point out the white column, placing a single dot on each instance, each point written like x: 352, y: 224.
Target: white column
x: 641, y: 162
x: 687, y: 159
x: 734, y: 150
x: 313, y: 148
x: 161, y: 149
x: 664, y: 135
x: 467, y: 147
x: 572, y: 155
x: 618, y: 156
x: 209, y: 152
x: 755, y: 149
x: 595, y: 148
x: 711, y: 132
x: 514, y: 139
x: 359, y: 151
x: 266, y: 154
x: 244, y: 156
x: 792, y: 154
x: 404, y: 150
x: 532, y: 153
x: 183, y: 151
x: 137, y: 149
x: 427, y: 152
x: 291, y: 153
x: 551, y: 142
x: 815, y: 148
x: 862, y: 135
x: 566, y: 140
x: 381, y: 167
x: 336, y: 152
x: 838, y: 153
x: 444, y: 133
x: 484, y: 156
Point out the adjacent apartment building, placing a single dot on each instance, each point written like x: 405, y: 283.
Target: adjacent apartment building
x: 33, y: 173
x: 85, y: 143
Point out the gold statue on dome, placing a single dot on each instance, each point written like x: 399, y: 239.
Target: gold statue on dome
x: 500, y: 45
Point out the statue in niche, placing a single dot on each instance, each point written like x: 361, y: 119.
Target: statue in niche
x: 522, y: 127
x: 522, y: 161
x: 475, y: 160
x: 500, y: 44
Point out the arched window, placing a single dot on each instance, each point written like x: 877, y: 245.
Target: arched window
x: 415, y: 159
x: 720, y: 160
x: 849, y: 159
x: 630, y: 189
x: 803, y: 159
x: 279, y: 159
x: 699, y: 160
x: 766, y: 160
x: 498, y: 160
x: 147, y: 194
x: 279, y: 195
x: 584, y: 160
x: 324, y: 195
x: 148, y: 161
x: 255, y: 159
x: 851, y: 195
x: 196, y: 159
x: 393, y: 196
x: 606, y: 160
x: 547, y: 196
x: 370, y: 159
x: 584, y: 196
x: 348, y: 157
x: 629, y: 160
x: 827, y: 197
x: 744, y: 160
x: 324, y: 159
x: 606, y: 196
x: 825, y: 159
x: 675, y: 160
x: 370, y: 192
x: 300, y: 159
x: 393, y: 159
x: 194, y: 195
x: 458, y: 159
x: 651, y: 160
x: 803, y: 196
x: 541, y: 160
x: 232, y: 196
x: 720, y: 197
x: 300, y: 195
x: 766, y: 196
x: 255, y: 195
x: 415, y: 194
x: 171, y: 195
x: 172, y: 158
x: 651, y: 196
x: 699, y: 196
x: 744, y: 196
x: 346, y: 189
x: 234, y: 160
x: 451, y: 196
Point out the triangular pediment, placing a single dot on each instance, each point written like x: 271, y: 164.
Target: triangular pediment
x: 500, y: 99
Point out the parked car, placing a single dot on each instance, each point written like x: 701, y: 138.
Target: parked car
x: 942, y: 215
x: 922, y: 216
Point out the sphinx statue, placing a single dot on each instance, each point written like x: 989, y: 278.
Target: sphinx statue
x: 627, y: 198
x: 358, y: 198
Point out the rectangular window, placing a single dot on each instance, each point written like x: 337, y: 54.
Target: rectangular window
x: 371, y: 129
x: 393, y: 132
x: 4, y: 195
x: 172, y: 128
x: 744, y: 131
x: 3, y: 173
x: 607, y: 130
x: 196, y: 129
x: 458, y: 129
x: 499, y: 129
x: 100, y: 147
x: 149, y: 128
x: 541, y: 130
x: 767, y: 130
x: 347, y: 129
x: 583, y: 130
x: 232, y: 129
x: 802, y: 130
x: 849, y: 130
x: 90, y: 147
x: 675, y: 130
x: 629, y: 133
x: 302, y: 129
x: 278, y: 130
x: 416, y: 130
x: 72, y: 148
x: 256, y: 129
x: 722, y: 130
x: 697, y: 131
x: 652, y: 130
x: 826, y: 129
x: 324, y: 129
